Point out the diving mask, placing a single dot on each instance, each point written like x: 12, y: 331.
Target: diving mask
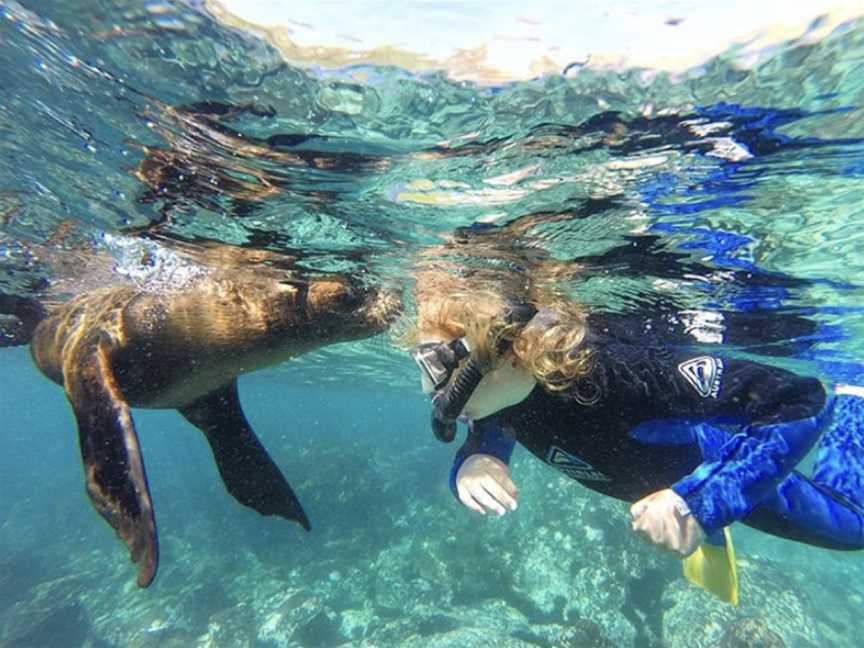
x: 439, y: 360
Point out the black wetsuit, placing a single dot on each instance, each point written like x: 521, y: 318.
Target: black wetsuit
x: 725, y: 434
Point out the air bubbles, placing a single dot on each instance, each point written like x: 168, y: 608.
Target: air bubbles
x: 151, y: 267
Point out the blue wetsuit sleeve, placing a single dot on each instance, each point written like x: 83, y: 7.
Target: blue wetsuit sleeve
x: 784, y: 417
x: 485, y: 436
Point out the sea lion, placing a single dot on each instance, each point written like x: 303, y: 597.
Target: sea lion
x: 121, y: 347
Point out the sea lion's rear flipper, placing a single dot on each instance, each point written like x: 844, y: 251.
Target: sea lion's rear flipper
x: 249, y: 474
x: 114, y: 470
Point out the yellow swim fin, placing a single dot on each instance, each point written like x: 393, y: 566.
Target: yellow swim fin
x: 712, y: 567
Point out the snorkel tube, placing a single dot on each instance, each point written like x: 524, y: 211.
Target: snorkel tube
x: 449, y: 402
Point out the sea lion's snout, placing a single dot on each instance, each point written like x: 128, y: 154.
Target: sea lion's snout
x: 382, y: 306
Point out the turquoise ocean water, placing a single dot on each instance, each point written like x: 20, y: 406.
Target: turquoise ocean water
x: 135, y: 137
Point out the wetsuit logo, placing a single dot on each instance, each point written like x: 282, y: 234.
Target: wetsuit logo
x: 704, y: 374
x: 572, y: 466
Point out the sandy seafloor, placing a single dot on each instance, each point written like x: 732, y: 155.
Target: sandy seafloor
x: 392, y: 559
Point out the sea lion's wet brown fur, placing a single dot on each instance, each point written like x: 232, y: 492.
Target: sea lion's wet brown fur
x: 118, y: 347
x: 170, y: 348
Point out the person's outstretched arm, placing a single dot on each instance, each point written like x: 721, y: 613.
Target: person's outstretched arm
x: 479, y: 477
x: 780, y: 415
x: 783, y: 415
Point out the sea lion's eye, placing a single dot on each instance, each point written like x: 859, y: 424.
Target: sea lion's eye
x: 353, y: 296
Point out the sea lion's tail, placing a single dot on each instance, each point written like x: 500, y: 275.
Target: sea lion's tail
x: 18, y: 319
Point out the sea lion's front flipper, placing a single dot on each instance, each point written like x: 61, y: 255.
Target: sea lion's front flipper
x: 248, y: 472
x: 116, y: 481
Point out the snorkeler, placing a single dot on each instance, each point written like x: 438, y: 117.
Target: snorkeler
x: 694, y: 440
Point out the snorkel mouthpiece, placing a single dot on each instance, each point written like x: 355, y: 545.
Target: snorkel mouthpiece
x: 447, y: 404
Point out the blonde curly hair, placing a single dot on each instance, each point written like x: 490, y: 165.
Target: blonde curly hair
x: 551, y: 349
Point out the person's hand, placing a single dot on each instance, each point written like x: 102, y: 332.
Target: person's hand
x: 483, y: 484
x: 663, y: 519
